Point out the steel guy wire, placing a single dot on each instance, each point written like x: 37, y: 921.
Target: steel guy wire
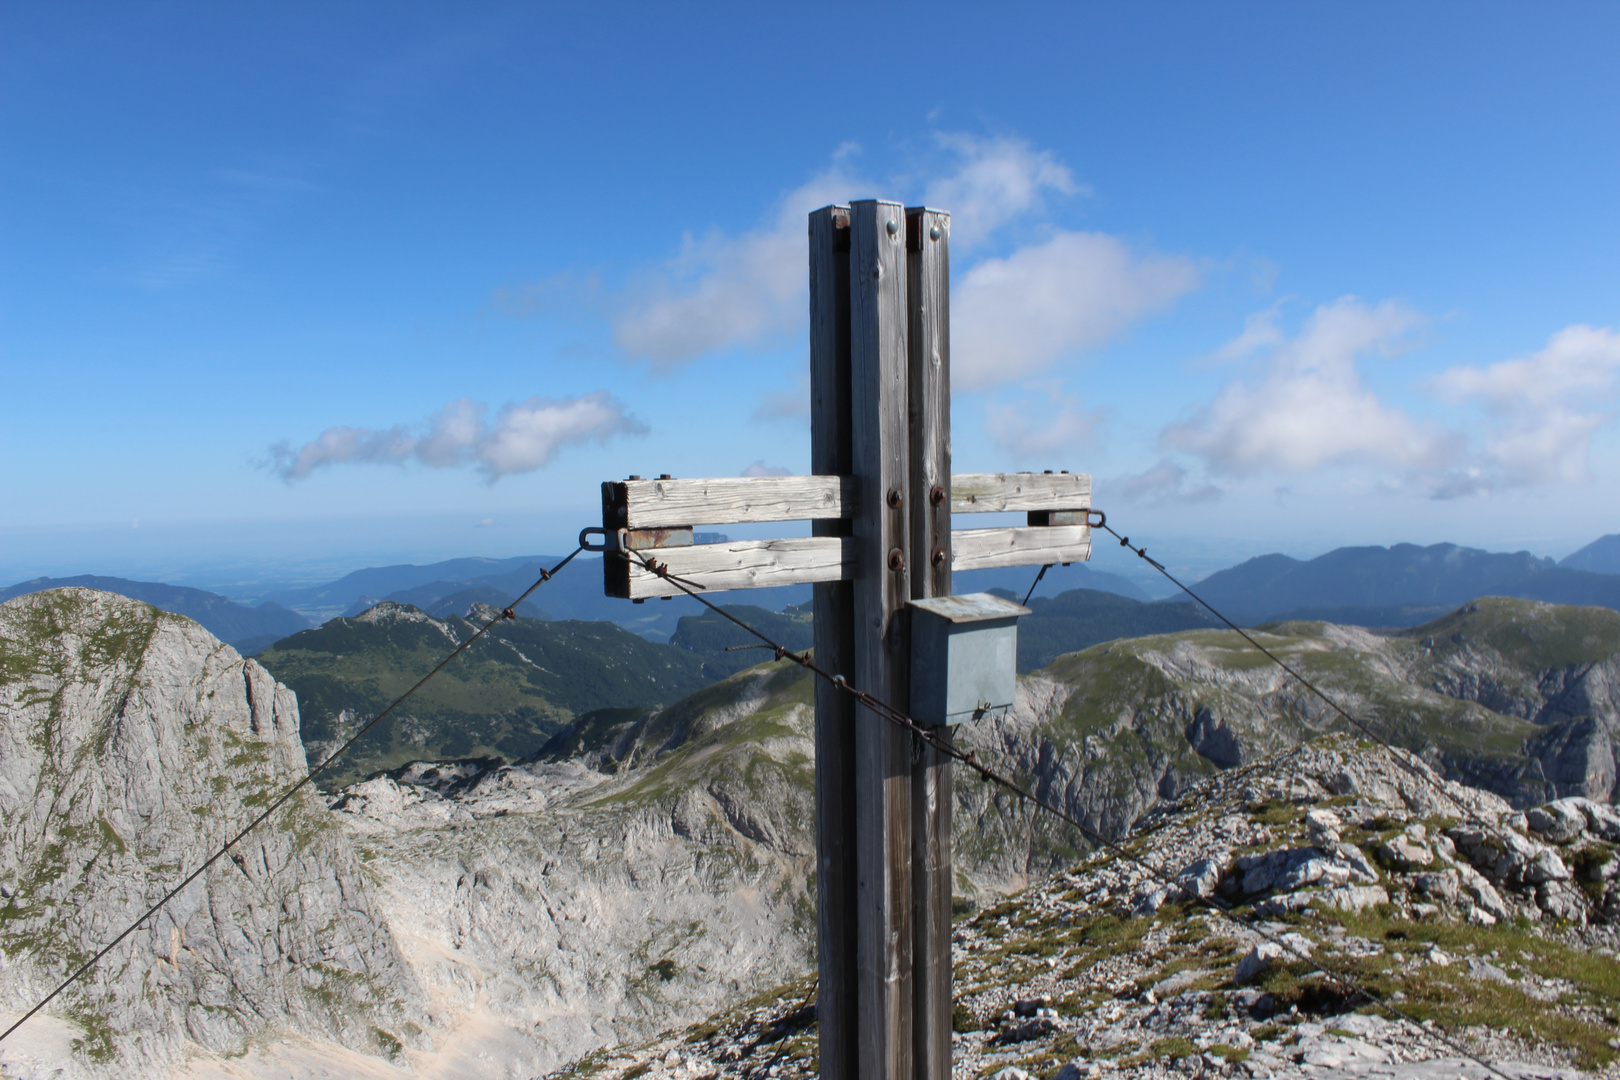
x: 1399, y: 754
x: 787, y: 1032
x: 509, y: 612
x: 970, y: 759
x: 1036, y: 582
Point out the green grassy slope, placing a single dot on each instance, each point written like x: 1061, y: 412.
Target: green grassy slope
x: 505, y: 696
x: 1080, y: 618
x: 709, y: 635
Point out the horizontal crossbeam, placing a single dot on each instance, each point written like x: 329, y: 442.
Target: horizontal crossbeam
x: 984, y: 493
x: 735, y: 500
x: 729, y: 500
x: 806, y: 560
x: 735, y: 564
x: 1019, y: 545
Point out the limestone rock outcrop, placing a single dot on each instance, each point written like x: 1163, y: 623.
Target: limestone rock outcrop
x: 1111, y: 968
x: 132, y: 744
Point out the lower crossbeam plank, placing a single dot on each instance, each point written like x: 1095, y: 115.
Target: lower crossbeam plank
x: 1019, y: 545
x: 745, y: 564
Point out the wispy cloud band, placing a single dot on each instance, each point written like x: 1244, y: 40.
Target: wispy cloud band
x: 525, y: 436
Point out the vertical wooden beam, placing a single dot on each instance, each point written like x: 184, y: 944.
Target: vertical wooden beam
x: 878, y: 378
x: 928, y: 272
x: 929, y: 496
x: 837, y: 994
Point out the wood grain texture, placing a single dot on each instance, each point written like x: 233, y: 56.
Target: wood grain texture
x: 928, y: 342
x: 1019, y: 545
x: 746, y: 564
x: 729, y: 500
x: 980, y: 493
x: 929, y: 395
x: 837, y: 996
x: 878, y: 376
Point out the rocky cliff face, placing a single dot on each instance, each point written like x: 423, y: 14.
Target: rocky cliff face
x: 446, y: 920
x: 1337, y: 870
x: 557, y: 906
x: 132, y: 742
x: 646, y: 868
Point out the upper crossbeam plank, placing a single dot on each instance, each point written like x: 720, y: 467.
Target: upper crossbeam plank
x: 982, y: 493
x: 660, y: 504
x: 736, y: 564
x: 663, y: 504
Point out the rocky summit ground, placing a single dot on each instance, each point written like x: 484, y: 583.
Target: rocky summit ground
x: 1492, y: 931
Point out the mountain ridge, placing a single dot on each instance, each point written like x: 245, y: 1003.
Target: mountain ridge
x: 221, y: 616
x: 505, y: 696
x: 1601, y: 556
x: 1270, y: 586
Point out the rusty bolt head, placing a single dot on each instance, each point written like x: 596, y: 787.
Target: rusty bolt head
x: 937, y: 557
x: 895, y: 499
x: 936, y: 495
x: 897, y: 559
x: 632, y: 476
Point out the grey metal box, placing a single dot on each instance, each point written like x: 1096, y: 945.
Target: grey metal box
x: 964, y: 657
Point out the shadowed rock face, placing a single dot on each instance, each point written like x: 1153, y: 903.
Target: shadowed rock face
x: 131, y: 743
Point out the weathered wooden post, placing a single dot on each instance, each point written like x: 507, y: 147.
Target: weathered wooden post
x: 880, y: 500
x: 928, y: 235
x: 880, y: 342
x: 834, y: 605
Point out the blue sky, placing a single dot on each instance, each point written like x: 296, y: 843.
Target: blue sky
x: 289, y: 289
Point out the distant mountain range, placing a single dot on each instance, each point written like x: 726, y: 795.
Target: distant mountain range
x: 1400, y: 585
x: 1601, y: 556
x: 379, y: 582
x: 576, y: 593
x: 249, y: 629
x: 1394, y: 586
x: 448, y: 588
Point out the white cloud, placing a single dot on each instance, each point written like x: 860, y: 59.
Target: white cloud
x: 786, y: 404
x: 994, y: 182
x: 1543, y: 407
x: 1163, y: 483
x: 1259, y: 332
x: 759, y: 468
x: 1013, y: 317
x: 1311, y: 408
x: 1051, y: 426
x: 722, y: 292
x: 526, y: 436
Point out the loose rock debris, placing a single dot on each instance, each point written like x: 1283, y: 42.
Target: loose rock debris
x: 1490, y: 927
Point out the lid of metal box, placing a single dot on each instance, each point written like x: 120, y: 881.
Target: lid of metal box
x: 972, y: 608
